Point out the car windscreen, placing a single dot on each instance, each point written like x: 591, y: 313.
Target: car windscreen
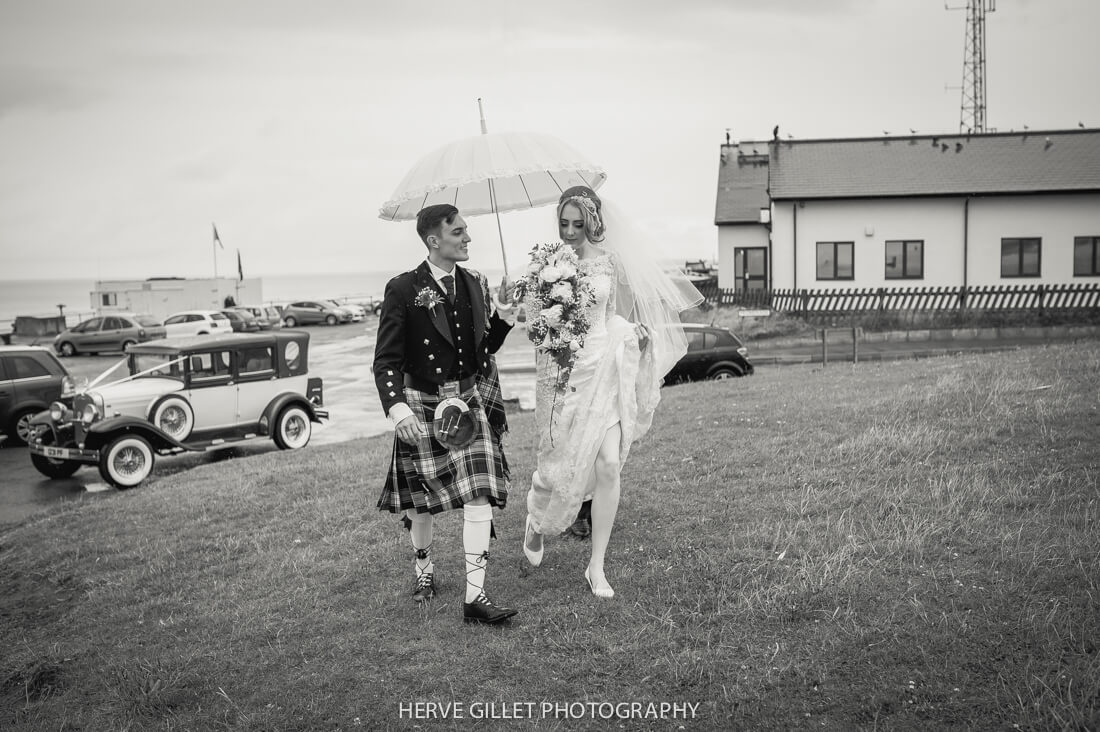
x: 218, y: 316
x: 157, y: 365
x: 147, y: 320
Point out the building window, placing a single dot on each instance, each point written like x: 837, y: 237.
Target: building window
x: 835, y: 260
x: 905, y: 260
x: 1021, y: 257
x: 1086, y: 256
x: 108, y: 299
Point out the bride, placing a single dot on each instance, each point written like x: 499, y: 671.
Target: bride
x: 634, y: 337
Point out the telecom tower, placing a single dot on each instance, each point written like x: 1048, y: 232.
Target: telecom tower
x: 972, y: 116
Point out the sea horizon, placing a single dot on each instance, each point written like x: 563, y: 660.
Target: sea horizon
x: 40, y: 298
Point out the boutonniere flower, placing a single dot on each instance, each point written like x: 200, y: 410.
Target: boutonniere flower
x: 427, y: 298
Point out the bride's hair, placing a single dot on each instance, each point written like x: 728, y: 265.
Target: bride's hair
x: 589, y: 203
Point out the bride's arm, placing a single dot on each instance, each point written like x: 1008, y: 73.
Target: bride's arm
x: 622, y: 303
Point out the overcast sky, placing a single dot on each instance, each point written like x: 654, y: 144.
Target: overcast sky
x: 128, y: 126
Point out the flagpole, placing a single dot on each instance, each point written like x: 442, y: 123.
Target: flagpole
x: 214, y: 250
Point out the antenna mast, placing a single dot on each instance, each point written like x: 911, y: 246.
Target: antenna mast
x: 972, y: 115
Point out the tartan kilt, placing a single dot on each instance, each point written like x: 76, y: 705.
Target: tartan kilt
x: 427, y: 477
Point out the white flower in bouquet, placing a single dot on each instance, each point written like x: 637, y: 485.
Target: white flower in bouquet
x: 550, y: 274
x: 568, y: 271
x: 552, y: 315
x: 562, y: 292
x: 574, y: 345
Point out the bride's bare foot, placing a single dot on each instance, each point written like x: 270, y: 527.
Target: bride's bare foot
x: 597, y: 582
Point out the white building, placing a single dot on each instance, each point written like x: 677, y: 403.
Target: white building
x: 163, y: 296
x: 1017, y: 208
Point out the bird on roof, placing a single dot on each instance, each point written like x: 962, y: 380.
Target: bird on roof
x: 775, y: 132
x: 912, y: 130
x: 1081, y: 125
x: 886, y: 132
x: 943, y: 147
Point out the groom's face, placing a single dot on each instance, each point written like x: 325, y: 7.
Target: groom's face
x: 451, y: 244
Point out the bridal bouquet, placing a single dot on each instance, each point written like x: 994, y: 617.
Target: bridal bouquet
x: 557, y: 300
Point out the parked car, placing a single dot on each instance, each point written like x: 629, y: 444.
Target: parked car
x: 114, y: 332
x: 188, y: 394
x: 31, y: 378
x: 241, y: 321
x: 267, y: 317
x: 358, y: 312
x: 196, y: 322
x: 309, y: 312
x: 713, y: 353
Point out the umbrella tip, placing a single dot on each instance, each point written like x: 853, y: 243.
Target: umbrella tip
x: 481, y: 113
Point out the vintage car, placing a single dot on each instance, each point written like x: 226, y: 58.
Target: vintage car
x: 185, y: 394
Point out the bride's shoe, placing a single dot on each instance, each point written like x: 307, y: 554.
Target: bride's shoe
x: 598, y: 592
x: 534, y: 557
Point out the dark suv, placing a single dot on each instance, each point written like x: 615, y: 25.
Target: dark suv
x: 31, y: 378
x: 713, y: 353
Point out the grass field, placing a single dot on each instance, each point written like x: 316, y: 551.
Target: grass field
x: 898, y: 545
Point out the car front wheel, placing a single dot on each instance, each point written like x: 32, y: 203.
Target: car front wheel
x: 127, y: 461
x: 126, y: 345
x: 290, y: 322
x: 725, y: 373
x: 331, y: 320
x: 67, y: 349
x: 292, y: 429
x: 174, y: 417
x: 52, y: 467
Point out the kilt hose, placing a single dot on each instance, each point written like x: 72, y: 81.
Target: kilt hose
x: 427, y: 477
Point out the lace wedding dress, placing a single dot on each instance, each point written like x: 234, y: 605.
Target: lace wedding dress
x: 613, y: 382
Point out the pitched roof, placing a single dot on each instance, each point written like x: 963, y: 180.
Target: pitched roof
x: 742, y: 183
x: 929, y: 165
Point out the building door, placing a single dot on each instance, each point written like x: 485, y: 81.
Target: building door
x: 750, y: 268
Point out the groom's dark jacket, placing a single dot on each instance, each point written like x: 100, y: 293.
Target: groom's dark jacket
x: 425, y: 342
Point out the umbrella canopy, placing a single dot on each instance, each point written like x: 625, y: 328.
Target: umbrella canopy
x: 492, y: 173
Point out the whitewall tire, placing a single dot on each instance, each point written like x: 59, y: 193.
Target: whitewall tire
x: 126, y: 462
x: 292, y: 428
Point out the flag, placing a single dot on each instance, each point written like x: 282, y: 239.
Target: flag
x: 240, y: 270
x: 217, y: 238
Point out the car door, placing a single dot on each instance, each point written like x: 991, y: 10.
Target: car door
x: 110, y: 336
x: 88, y: 339
x: 694, y: 363
x: 312, y: 312
x: 176, y: 326
x: 30, y: 382
x: 211, y: 389
x: 7, y: 393
x: 255, y: 382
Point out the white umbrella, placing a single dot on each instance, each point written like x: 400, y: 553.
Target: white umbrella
x: 492, y: 173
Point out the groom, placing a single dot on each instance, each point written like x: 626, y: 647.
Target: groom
x: 436, y: 333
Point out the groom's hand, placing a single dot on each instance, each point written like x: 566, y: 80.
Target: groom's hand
x: 506, y: 292
x: 409, y: 430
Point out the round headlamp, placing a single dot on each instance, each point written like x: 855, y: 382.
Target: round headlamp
x: 57, y: 411
x: 89, y: 414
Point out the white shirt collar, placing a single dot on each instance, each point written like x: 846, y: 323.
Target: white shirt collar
x: 438, y: 273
